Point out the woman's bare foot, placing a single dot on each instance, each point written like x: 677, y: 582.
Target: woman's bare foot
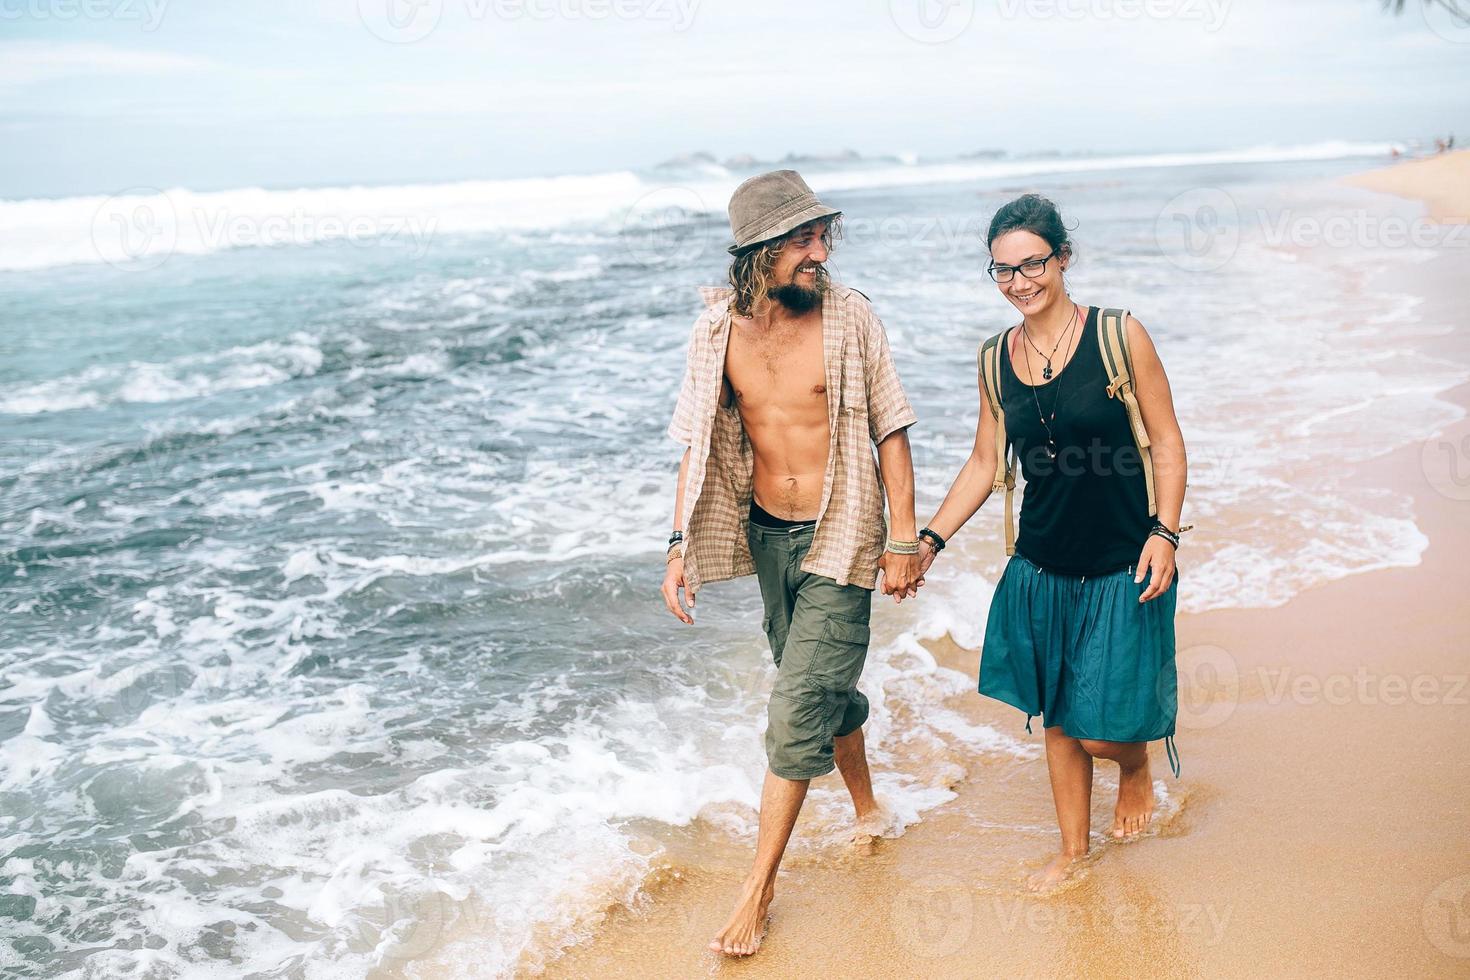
x: 1135, y: 808
x: 742, y: 935
x: 1057, y: 870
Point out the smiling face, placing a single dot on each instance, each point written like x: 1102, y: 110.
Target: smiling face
x: 1032, y: 297
x: 799, y: 273
x: 791, y: 270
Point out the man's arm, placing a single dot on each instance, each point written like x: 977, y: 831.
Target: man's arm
x: 896, y: 464
x: 889, y: 416
x: 681, y: 429
x: 674, y: 574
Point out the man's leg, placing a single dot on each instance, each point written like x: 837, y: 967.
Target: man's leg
x: 818, y: 659
x: 852, y: 762
x: 781, y: 801
x: 774, y: 553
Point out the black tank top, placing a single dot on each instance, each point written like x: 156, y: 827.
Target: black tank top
x: 1086, y: 511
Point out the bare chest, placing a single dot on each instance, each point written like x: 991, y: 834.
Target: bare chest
x: 780, y: 371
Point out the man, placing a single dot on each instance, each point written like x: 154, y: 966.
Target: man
x: 788, y: 381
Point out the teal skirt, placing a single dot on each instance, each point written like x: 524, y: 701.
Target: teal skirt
x: 1084, y: 654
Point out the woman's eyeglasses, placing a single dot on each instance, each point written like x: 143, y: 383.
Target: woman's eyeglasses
x: 1031, y: 268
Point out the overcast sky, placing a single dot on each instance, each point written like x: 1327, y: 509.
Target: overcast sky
x: 100, y: 95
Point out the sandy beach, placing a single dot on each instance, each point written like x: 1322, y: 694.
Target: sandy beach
x: 1320, y: 826
x: 1442, y: 182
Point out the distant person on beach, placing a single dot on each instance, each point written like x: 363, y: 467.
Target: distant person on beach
x: 789, y: 382
x: 1081, y: 626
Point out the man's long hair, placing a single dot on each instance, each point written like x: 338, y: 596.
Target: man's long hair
x: 750, y: 272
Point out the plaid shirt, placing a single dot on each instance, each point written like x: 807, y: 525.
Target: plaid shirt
x: 865, y: 403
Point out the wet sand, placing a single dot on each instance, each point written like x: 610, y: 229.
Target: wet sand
x: 1321, y: 826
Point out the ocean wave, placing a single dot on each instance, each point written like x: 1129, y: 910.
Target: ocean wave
x: 148, y: 225
x: 189, y: 376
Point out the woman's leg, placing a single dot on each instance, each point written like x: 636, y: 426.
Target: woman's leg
x: 1070, y: 768
x: 1135, y: 807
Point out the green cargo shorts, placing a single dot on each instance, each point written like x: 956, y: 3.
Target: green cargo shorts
x: 818, y: 632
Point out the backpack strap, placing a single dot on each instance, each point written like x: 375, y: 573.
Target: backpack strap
x: 1112, y: 337
x: 1005, y: 471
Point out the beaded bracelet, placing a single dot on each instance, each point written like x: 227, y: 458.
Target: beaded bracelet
x: 1161, y: 531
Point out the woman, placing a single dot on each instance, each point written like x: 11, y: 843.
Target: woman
x: 1081, y: 628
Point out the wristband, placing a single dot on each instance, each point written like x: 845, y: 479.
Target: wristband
x: 1161, y: 531
x: 934, y: 539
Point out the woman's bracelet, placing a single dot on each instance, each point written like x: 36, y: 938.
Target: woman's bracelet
x: 1161, y: 531
x: 934, y: 539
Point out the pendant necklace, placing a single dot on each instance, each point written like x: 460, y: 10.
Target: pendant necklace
x: 1051, y: 442
x: 1046, y: 372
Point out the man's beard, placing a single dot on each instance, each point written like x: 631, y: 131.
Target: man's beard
x: 801, y: 299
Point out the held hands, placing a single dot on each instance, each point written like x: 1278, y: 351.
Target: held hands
x: 900, y: 574
x: 926, y: 558
x: 1157, y: 558
x: 915, y: 567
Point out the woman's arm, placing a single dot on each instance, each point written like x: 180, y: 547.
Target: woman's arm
x: 1171, y: 467
x: 970, y: 489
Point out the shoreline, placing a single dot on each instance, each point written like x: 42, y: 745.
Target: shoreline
x: 1442, y: 182
x: 1318, y: 767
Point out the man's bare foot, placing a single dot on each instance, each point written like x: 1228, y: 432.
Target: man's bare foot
x: 1135, y: 808
x: 1057, y: 870
x: 877, y: 823
x: 742, y: 935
